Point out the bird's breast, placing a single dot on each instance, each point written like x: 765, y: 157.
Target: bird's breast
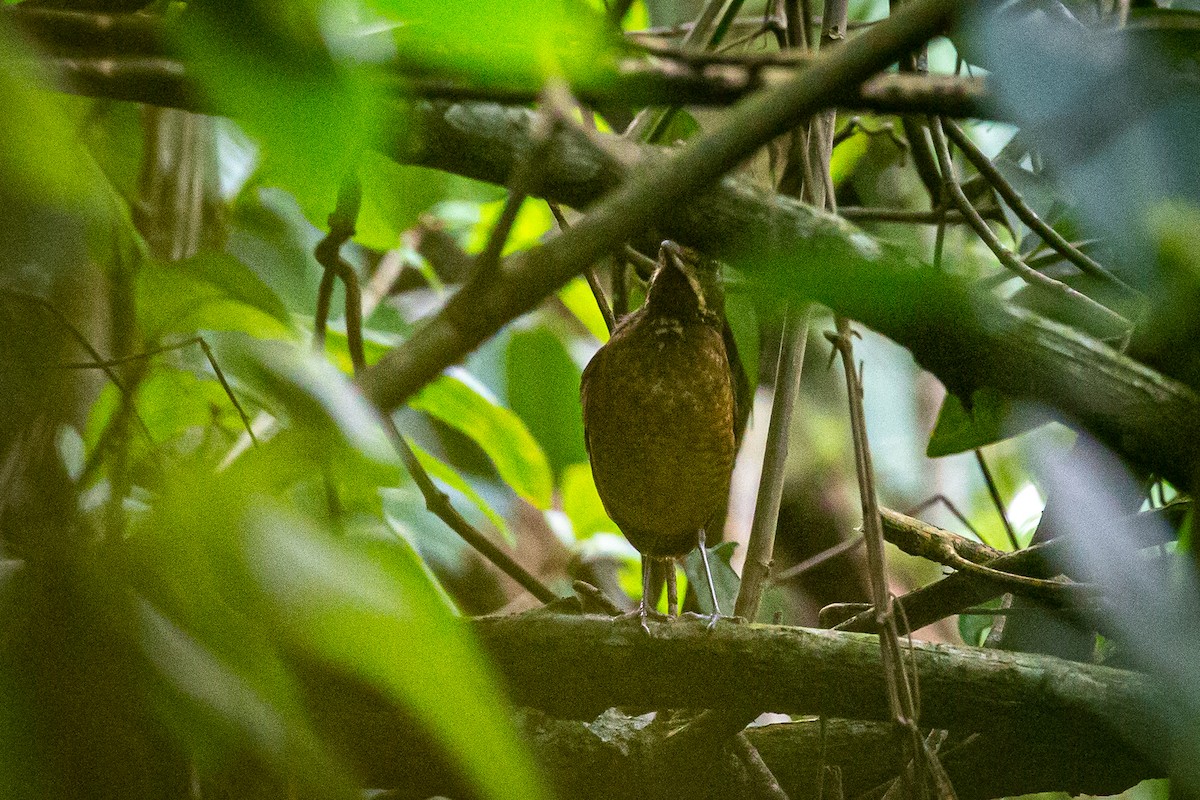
x: 658, y: 412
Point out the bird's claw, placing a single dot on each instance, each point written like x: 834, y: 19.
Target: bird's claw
x: 711, y: 619
x: 643, y: 615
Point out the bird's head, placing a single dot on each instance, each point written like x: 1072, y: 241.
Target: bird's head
x: 685, y: 285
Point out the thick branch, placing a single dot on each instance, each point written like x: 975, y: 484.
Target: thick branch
x: 579, y: 763
x: 1055, y: 721
x: 799, y: 671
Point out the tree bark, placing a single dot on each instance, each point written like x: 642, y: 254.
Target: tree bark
x: 1060, y: 726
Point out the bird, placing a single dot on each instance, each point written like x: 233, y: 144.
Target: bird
x: 659, y: 415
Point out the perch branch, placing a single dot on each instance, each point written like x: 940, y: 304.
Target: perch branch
x: 798, y: 671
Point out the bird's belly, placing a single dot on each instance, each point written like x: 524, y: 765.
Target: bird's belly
x: 662, y: 455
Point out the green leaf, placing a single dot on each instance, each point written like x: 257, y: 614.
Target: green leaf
x: 226, y: 706
x: 495, y: 41
x: 992, y: 418
x: 387, y: 625
x: 447, y: 475
x: 847, y: 155
x: 40, y: 158
x: 581, y: 502
x: 395, y: 196
x: 460, y: 402
x: 171, y: 401
x: 543, y: 389
x: 534, y: 221
x: 725, y: 579
x: 578, y: 298
x: 210, y: 291
x: 269, y: 233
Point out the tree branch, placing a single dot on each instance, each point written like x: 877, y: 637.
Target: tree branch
x: 1071, y: 727
x: 798, y: 671
x: 130, y: 57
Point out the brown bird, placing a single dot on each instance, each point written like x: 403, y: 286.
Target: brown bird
x: 659, y: 417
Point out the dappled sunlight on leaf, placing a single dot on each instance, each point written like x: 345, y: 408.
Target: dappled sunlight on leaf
x: 460, y: 402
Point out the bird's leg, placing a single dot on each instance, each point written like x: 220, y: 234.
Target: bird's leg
x: 712, y: 589
x: 645, y: 609
x: 672, y: 589
x: 644, y: 605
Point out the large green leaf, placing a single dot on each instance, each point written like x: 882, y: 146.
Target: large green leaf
x: 210, y: 291
x: 543, y: 388
x: 460, y: 402
x: 991, y: 418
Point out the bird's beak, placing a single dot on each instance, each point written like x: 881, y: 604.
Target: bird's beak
x: 673, y: 256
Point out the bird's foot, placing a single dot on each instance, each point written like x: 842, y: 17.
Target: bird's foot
x: 711, y: 619
x: 642, y: 615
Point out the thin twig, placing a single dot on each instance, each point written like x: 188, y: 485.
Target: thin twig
x: 593, y: 281
x: 900, y: 215
x: 342, y: 223
x: 438, y: 502
x: 1078, y: 300
x: 650, y: 123
x: 195, y: 340
x: 83, y: 342
x: 925, y: 541
x: 328, y: 255
x: 1025, y: 213
x: 901, y: 700
x: 814, y: 561
x: 953, y: 509
x: 790, y: 361
x: 887, y: 129
x: 994, y: 491
x: 488, y: 259
x: 761, y: 546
